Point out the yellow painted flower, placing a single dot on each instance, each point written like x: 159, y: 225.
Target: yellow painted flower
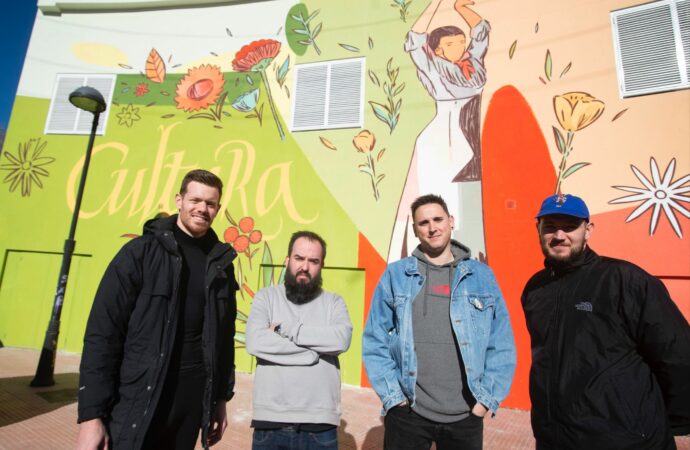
x: 364, y: 141
x: 577, y: 110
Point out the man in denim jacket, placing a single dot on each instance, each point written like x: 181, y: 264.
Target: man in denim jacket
x: 438, y: 346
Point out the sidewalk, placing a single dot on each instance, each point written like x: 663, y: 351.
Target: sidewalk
x: 45, y: 418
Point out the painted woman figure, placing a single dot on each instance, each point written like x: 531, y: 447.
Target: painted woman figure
x: 447, y: 155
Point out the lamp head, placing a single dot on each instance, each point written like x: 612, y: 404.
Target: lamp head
x: 88, y: 99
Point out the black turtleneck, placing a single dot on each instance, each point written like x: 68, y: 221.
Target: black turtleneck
x: 188, y: 351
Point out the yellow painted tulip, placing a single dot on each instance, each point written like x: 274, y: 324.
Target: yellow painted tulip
x: 577, y: 110
x: 364, y: 141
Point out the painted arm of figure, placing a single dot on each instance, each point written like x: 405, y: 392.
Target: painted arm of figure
x: 501, y: 358
x: 106, y: 329
x: 663, y: 339
x: 468, y: 15
x: 379, y: 332
x: 329, y: 339
x: 424, y: 19
x: 264, y: 343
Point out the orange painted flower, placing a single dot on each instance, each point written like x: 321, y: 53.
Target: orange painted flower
x: 199, y: 88
x: 246, y: 224
x: 230, y: 235
x: 141, y: 89
x: 241, y: 244
x: 256, y: 56
x: 255, y: 237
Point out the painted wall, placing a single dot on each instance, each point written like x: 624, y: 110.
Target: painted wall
x: 192, y: 90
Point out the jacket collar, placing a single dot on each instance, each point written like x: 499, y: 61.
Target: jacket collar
x: 411, y: 268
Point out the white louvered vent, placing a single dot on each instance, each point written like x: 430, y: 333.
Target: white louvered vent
x: 328, y: 95
x: 65, y: 118
x: 652, y: 46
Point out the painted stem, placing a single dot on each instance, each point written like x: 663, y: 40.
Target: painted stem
x: 270, y: 103
x: 564, y: 159
x: 373, y: 176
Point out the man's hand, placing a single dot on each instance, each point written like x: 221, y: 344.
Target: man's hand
x: 93, y: 436
x: 219, y: 422
x: 479, y: 410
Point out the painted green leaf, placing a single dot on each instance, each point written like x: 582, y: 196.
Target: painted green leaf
x: 380, y: 111
x: 283, y: 70
x: 242, y: 317
x: 566, y: 69
x: 371, y: 43
x: 301, y: 31
x: 572, y: 169
x: 249, y: 80
x: 380, y: 154
x: 365, y: 169
x: 317, y: 29
x: 350, y: 48
x: 399, y: 89
x: 548, y: 65
x: 618, y: 114
x: 511, y: 51
x: 240, y: 337
x: 314, y: 14
x: 281, y: 277
x: 267, y: 266
x: 374, y: 79
x: 560, y: 143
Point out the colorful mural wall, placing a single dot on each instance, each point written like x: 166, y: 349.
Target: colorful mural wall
x: 523, y: 105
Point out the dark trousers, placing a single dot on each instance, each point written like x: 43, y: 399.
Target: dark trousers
x: 405, y: 429
x: 289, y: 438
x: 177, y: 421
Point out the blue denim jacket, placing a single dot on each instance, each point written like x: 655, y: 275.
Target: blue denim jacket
x: 480, y: 321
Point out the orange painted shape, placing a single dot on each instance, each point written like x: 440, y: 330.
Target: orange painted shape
x: 663, y: 254
x: 370, y: 260
x: 517, y: 174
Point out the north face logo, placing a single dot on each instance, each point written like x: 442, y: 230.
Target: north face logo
x: 584, y: 306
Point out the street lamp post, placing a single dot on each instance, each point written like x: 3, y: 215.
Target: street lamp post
x: 87, y: 99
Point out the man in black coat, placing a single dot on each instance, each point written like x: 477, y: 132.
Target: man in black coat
x: 158, y: 359
x: 610, y: 349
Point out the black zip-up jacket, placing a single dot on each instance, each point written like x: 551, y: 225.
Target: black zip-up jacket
x: 610, y: 357
x: 131, y: 331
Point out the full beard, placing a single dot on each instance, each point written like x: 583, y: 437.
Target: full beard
x: 301, y: 293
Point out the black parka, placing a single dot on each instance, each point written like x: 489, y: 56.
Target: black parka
x: 610, y: 357
x: 131, y: 330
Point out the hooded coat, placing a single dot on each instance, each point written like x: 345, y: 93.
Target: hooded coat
x: 131, y: 331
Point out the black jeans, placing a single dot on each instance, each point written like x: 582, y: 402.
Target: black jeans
x: 405, y: 429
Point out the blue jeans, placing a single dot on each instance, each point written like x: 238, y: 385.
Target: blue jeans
x: 287, y: 439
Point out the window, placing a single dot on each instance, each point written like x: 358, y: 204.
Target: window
x: 65, y: 118
x: 652, y: 47
x: 328, y: 95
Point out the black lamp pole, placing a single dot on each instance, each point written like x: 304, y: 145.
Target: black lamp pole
x: 87, y: 99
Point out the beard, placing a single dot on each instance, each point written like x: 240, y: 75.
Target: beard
x: 301, y: 293
x: 562, y: 260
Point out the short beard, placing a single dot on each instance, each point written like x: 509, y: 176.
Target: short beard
x: 301, y: 293
x: 575, y: 253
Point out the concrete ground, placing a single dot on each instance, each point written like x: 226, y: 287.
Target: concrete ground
x: 45, y: 418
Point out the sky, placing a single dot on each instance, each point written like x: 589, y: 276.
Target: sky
x: 16, y: 22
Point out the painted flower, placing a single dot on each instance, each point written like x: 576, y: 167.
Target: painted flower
x: 660, y: 193
x: 364, y: 142
x: 27, y: 166
x: 141, y: 89
x: 577, y: 110
x: 128, y: 115
x: 200, y: 88
x: 256, y: 56
x: 242, y: 235
x: 247, y: 101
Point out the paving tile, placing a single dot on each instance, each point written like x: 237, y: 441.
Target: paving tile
x: 45, y: 418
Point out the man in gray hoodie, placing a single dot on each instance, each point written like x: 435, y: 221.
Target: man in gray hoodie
x: 438, y: 346
x: 296, y: 331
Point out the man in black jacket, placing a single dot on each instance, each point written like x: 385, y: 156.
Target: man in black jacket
x: 158, y: 359
x: 610, y: 349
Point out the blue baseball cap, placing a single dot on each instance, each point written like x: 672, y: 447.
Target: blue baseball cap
x: 566, y: 204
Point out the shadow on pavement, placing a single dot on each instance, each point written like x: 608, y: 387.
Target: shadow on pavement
x: 19, y: 401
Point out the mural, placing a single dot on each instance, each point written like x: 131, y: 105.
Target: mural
x: 443, y: 112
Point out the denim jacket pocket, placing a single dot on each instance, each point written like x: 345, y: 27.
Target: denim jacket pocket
x: 482, y: 312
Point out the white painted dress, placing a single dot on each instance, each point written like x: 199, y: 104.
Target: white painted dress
x: 442, y: 150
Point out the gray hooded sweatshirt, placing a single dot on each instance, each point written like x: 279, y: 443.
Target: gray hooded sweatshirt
x: 441, y: 391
